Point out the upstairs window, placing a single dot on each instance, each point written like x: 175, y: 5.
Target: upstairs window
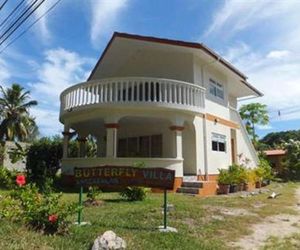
x: 216, y: 89
x: 218, y: 142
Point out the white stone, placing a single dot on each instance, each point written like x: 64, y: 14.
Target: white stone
x: 167, y: 230
x: 109, y: 241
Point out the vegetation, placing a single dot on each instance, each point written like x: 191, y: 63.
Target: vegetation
x: 136, y: 222
x: 278, y: 139
x: 254, y: 114
x: 24, y: 204
x: 134, y: 193
x: 7, y: 177
x: 15, y: 120
x: 291, y: 164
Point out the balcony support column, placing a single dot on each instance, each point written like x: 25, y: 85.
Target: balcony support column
x: 111, y: 139
x: 66, y: 134
x: 177, y: 141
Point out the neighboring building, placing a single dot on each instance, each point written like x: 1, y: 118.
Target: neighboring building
x: 275, y: 157
x: 167, y: 103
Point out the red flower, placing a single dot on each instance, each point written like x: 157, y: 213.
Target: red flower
x: 52, y: 218
x: 20, y: 180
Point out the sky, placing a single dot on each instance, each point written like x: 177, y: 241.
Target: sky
x: 260, y: 37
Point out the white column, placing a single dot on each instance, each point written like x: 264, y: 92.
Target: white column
x: 66, y: 138
x: 111, y: 139
x: 177, y: 141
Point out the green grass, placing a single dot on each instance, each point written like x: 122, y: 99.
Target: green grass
x: 136, y: 222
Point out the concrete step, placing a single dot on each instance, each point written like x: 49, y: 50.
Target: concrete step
x: 193, y: 184
x: 190, y: 178
x: 188, y: 190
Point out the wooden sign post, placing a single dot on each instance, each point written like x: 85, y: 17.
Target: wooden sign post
x: 122, y: 176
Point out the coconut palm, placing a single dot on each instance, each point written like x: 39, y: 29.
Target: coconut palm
x: 16, y: 122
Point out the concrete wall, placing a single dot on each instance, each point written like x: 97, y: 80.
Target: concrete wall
x: 156, y: 63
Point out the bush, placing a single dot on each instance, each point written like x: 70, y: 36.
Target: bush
x: 93, y: 193
x: 291, y: 164
x: 7, y: 178
x: 43, y: 160
x: 39, y: 211
x: 224, y: 177
x: 134, y: 193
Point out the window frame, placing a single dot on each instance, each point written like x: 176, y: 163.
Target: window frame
x: 217, y: 142
x: 216, y: 89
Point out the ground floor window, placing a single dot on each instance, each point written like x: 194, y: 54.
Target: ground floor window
x: 218, y: 142
x: 142, y: 146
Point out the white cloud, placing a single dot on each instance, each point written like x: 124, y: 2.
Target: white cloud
x: 61, y: 68
x: 4, y: 73
x: 47, y: 121
x: 42, y: 26
x: 237, y: 15
x: 105, y: 14
x: 278, y: 54
x: 272, y: 63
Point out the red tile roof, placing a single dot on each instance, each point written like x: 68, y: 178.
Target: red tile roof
x: 275, y: 152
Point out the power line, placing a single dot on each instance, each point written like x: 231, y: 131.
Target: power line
x: 18, y: 25
x: 5, y: 1
x: 32, y: 24
x: 11, y: 13
x: 18, y: 19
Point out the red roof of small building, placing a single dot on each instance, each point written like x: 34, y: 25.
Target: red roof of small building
x: 275, y: 152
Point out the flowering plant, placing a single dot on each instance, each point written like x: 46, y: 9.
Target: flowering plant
x: 39, y: 211
x: 20, y: 180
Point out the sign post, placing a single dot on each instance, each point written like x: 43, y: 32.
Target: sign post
x: 80, y: 205
x: 165, y: 209
x: 122, y: 176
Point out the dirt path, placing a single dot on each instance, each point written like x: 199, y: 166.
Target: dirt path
x: 278, y: 226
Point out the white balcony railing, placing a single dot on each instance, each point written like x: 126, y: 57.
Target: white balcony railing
x: 133, y: 90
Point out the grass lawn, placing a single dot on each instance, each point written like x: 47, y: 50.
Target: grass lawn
x: 201, y: 222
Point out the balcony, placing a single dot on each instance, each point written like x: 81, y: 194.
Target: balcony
x: 133, y: 91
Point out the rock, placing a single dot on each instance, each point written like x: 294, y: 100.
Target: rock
x: 109, y: 241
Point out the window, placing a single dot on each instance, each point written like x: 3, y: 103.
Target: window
x: 218, y: 142
x: 216, y: 89
x: 143, y: 146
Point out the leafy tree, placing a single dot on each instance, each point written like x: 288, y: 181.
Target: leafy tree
x: 16, y: 122
x: 278, y: 139
x: 291, y: 162
x: 254, y: 114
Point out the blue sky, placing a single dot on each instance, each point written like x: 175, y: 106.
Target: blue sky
x: 261, y: 38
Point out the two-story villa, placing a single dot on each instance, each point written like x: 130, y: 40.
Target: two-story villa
x: 166, y: 103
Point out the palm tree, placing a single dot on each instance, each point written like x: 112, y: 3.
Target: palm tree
x: 16, y: 122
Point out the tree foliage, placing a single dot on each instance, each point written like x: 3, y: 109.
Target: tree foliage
x: 254, y: 114
x: 15, y: 120
x: 277, y: 139
x: 292, y: 160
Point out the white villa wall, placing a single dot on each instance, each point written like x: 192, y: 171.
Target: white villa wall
x: 161, y: 64
x: 216, y: 159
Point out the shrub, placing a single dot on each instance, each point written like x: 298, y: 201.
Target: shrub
x: 93, y: 193
x: 266, y: 168
x: 39, y: 211
x: 224, y: 177
x: 7, y: 177
x: 134, y: 193
x: 291, y: 163
x: 43, y: 160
